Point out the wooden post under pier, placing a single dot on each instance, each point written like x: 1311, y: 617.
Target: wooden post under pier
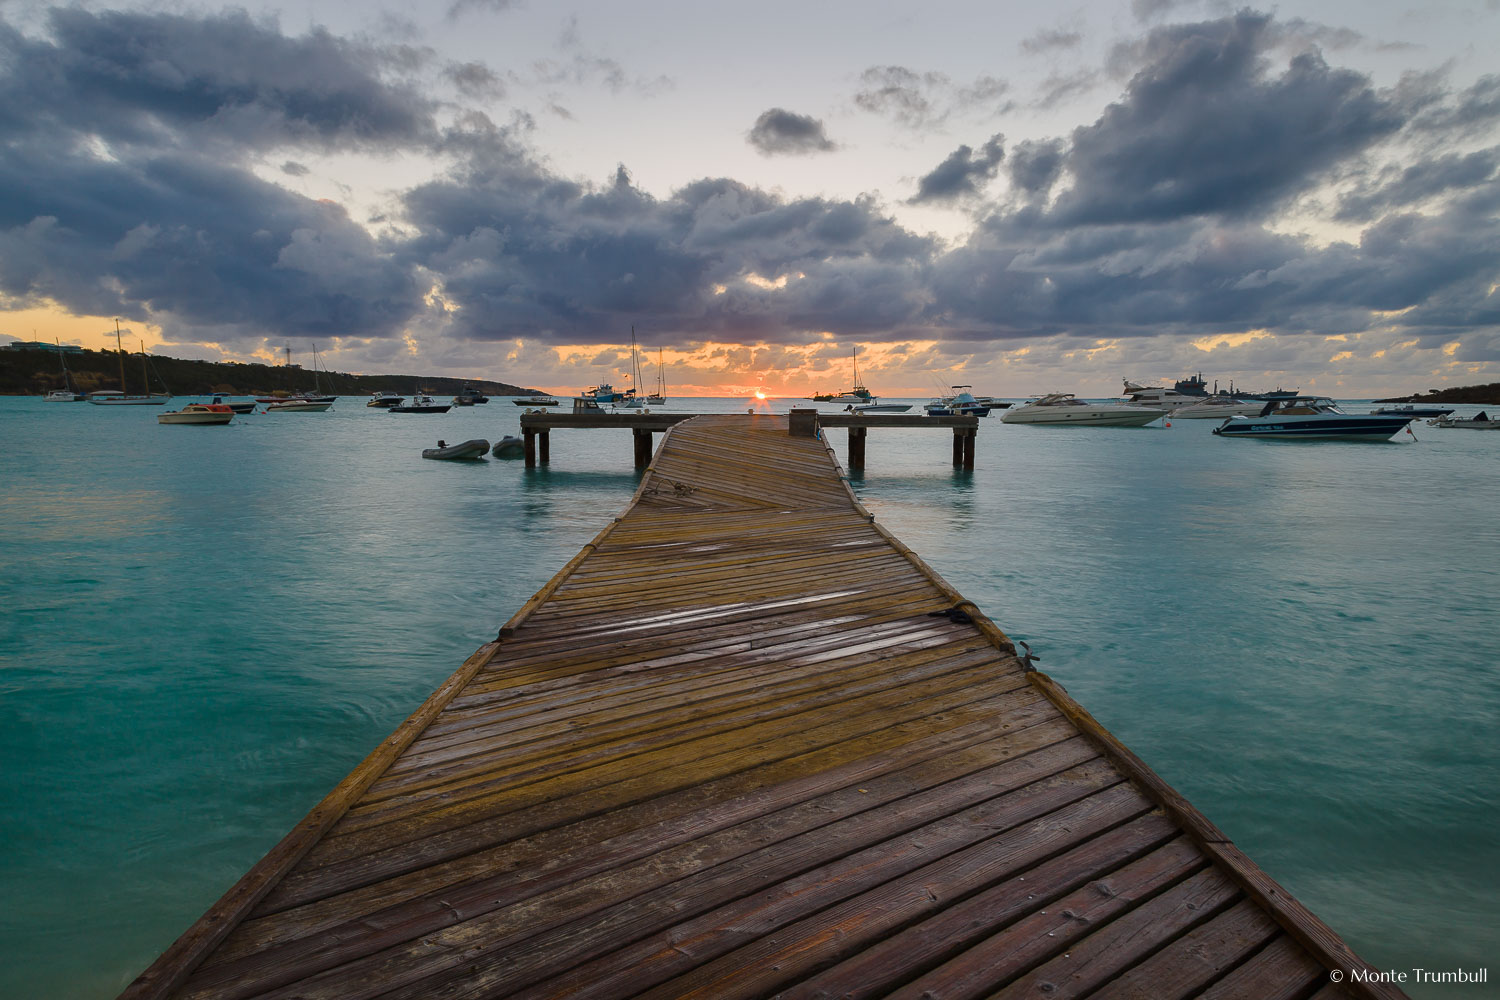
x: 746, y: 743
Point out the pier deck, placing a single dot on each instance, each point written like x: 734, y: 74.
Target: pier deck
x: 747, y: 744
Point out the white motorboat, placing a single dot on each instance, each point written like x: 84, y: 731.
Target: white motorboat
x: 1218, y: 407
x: 198, y: 413
x: 420, y: 403
x: 385, y: 400
x: 64, y: 396
x: 1312, y: 418
x: 1065, y: 409
x: 1161, y: 399
x: 1480, y: 421
x: 534, y: 401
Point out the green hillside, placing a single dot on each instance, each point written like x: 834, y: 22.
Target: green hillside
x: 34, y: 372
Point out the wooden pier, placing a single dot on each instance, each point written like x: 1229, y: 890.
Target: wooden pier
x: 747, y: 744
x: 537, y: 426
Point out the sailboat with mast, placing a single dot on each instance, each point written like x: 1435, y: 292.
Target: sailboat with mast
x: 856, y: 394
x: 67, y: 394
x: 119, y: 397
x: 632, y: 400
x: 660, y: 395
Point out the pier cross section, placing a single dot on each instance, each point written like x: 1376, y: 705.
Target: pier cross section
x: 538, y: 424
x: 746, y: 743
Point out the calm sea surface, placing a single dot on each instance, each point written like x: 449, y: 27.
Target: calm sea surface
x: 204, y: 629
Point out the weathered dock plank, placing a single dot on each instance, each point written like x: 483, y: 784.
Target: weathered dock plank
x: 748, y: 744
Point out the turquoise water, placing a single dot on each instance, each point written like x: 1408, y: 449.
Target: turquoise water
x: 206, y: 628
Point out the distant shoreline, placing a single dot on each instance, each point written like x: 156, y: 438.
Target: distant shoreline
x: 37, y: 371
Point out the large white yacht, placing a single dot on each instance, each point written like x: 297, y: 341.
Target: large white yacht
x: 1162, y: 399
x: 1065, y: 408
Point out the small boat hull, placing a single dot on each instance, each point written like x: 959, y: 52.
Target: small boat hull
x: 200, y: 414
x: 475, y: 448
x: 297, y: 406
x: 535, y: 401
x: 1343, y: 427
x: 509, y: 446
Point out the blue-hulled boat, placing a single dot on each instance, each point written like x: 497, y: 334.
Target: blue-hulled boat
x: 1313, y: 418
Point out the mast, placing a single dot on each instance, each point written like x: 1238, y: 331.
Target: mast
x: 120, y: 348
x: 635, y: 364
x: 145, y: 378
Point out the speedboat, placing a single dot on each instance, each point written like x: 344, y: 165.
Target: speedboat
x: 961, y: 403
x: 1415, y: 411
x: 197, y: 413
x: 471, y: 395
x: 385, y: 400
x: 1063, y: 408
x: 1312, y: 418
x: 992, y: 402
x: 421, y: 403
x: 877, y: 407
x: 534, y: 401
x: 1217, y: 408
x: 298, y: 406
x: 1480, y: 421
x: 475, y: 448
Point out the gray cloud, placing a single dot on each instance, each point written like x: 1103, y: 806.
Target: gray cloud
x: 126, y: 188
x: 129, y: 77
x: 781, y: 132
x: 474, y: 79
x: 1049, y: 41
x: 962, y: 175
x: 924, y: 101
x: 125, y: 181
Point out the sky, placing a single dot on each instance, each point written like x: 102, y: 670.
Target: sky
x: 1024, y: 198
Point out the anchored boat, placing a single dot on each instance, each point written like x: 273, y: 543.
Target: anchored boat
x: 1065, y: 409
x: 1312, y: 418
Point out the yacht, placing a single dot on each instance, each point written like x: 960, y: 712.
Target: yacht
x: 1162, y: 399
x: 1217, y: 408
x: 385, y: 400
x: 1312, y: 418
x: 1065, y: 408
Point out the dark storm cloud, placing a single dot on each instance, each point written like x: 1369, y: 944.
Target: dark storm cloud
x: 1035, y: 165
x: 1156, y: 219
x: 525, y: 255
x: 781, y: 132
x: 1420, y: 182
x: 962, y: 175
x: 1204, y: 129
x: 125, y: 186
x: 129, y: 77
